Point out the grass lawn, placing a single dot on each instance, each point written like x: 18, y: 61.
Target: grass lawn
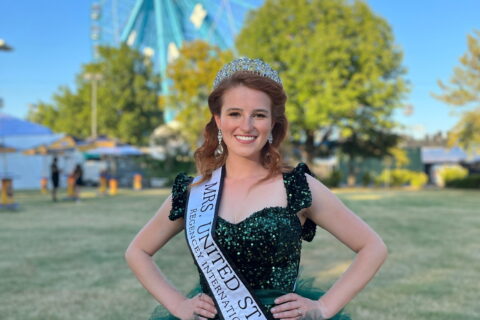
x: 65, y: 260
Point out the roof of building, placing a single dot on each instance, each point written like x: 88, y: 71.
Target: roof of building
x: 443, y: 155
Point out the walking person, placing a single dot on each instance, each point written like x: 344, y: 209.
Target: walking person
x: 54, y: 178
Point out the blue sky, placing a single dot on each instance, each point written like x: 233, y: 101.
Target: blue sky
x: 51, y: 41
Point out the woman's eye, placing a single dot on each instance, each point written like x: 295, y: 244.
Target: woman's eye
x: 260, y: 115
x: 234, y: 114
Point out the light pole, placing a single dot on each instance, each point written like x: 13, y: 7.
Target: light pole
x: 6, y: 194
x: 4, y: 46
x: 93, y: 78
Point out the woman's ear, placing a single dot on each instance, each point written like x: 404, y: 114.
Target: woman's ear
x: 217, y: 120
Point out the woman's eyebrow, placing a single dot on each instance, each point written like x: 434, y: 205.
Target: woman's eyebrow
x: 234, y: 109
x: 255, y: 110
x: 261, y: 110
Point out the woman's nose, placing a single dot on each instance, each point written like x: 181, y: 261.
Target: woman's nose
x: 247, y: 124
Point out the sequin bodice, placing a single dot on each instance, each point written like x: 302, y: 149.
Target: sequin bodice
x: 265, y: 246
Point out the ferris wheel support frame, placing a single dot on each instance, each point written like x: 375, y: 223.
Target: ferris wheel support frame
x: 169, y: 19
x: 206, y: 29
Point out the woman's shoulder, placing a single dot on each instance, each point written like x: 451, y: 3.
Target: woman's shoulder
x: 303, y: 176
x: 296, y: 177
x: 300, y: 169
x: 179, y: 195
x: 182, y: 180
x: 300, y: 196
x: 297, y: 186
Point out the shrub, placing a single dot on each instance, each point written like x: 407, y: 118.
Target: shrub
x: 166, y: 168
x: 367, y: 179
x: 401, y: 177
x: 418, y: 179
x: 334, y: 179
x: 396, y: 177
x: 471, y: 181
x: 449, y: 173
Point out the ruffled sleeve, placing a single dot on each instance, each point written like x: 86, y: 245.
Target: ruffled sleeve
x: 300, y: 197
x: 179, y: 196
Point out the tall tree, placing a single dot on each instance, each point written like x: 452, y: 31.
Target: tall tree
x: 127, y: 99
x: 466, y: 133
x: 337, y: 60
x: 464, y: 90
x: 192, y: 74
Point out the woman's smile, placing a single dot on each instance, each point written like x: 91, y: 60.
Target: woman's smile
x: 246, y: 139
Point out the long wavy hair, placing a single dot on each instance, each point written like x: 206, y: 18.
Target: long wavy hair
x: 270, y: 157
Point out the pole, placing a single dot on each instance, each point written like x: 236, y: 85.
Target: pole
x: 94, y: 78
x: 4, y: 158
x: 94, y: 107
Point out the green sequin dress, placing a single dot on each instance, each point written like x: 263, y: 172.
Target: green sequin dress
x: 265, y: 247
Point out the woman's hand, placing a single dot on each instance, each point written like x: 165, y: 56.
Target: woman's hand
x: 199, y: 307
x: 293, y: 307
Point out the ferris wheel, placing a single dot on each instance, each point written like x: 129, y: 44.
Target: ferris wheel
x: 158, y: 28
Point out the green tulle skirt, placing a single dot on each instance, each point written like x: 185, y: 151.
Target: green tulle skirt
x: 304, y: 288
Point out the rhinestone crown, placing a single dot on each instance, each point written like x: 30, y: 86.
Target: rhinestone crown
x: 249, y: 65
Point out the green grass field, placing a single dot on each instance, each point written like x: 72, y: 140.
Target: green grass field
x: 65, y: 260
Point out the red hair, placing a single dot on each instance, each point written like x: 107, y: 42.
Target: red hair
x: 270, y: 156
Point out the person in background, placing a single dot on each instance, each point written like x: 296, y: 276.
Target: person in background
x: 55, y: 178
x: 78, y: 176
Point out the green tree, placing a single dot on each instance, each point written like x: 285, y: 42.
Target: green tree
x: 464, y: 90
x: 127, y: 99
x: 192, y: 74
x: 337, y: 60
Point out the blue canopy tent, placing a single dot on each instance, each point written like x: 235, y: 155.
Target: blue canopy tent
x: 119, y: 151
x: 14, y: 127
x: 119, y: 161
x: 5, y: 148
x: 21, y: 135
x: 11, y: 126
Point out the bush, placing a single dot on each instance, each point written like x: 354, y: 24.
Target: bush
x: 471, y: 182
x: 166, y: 168
x: 334, y: 179
x: 401, y: 177
x: 367, y: 179
x: 449, y: 173
x: 395, y: 178
x: 418, y: 179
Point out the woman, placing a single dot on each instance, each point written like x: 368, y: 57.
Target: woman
x: 246, y: 215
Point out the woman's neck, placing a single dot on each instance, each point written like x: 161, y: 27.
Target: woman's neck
x: 239, y: 168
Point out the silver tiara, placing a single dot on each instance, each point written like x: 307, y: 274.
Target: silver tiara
x: 246, y: 64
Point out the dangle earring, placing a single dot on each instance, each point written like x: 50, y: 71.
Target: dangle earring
x: 219, y: 149
x: 270, y: 138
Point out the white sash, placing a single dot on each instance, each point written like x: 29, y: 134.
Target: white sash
x: 233, y: 299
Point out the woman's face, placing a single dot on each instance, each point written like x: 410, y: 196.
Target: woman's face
x: 245, y: 121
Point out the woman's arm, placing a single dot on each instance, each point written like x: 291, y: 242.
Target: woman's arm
x: 330, y: 213
x: 151, y: 238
